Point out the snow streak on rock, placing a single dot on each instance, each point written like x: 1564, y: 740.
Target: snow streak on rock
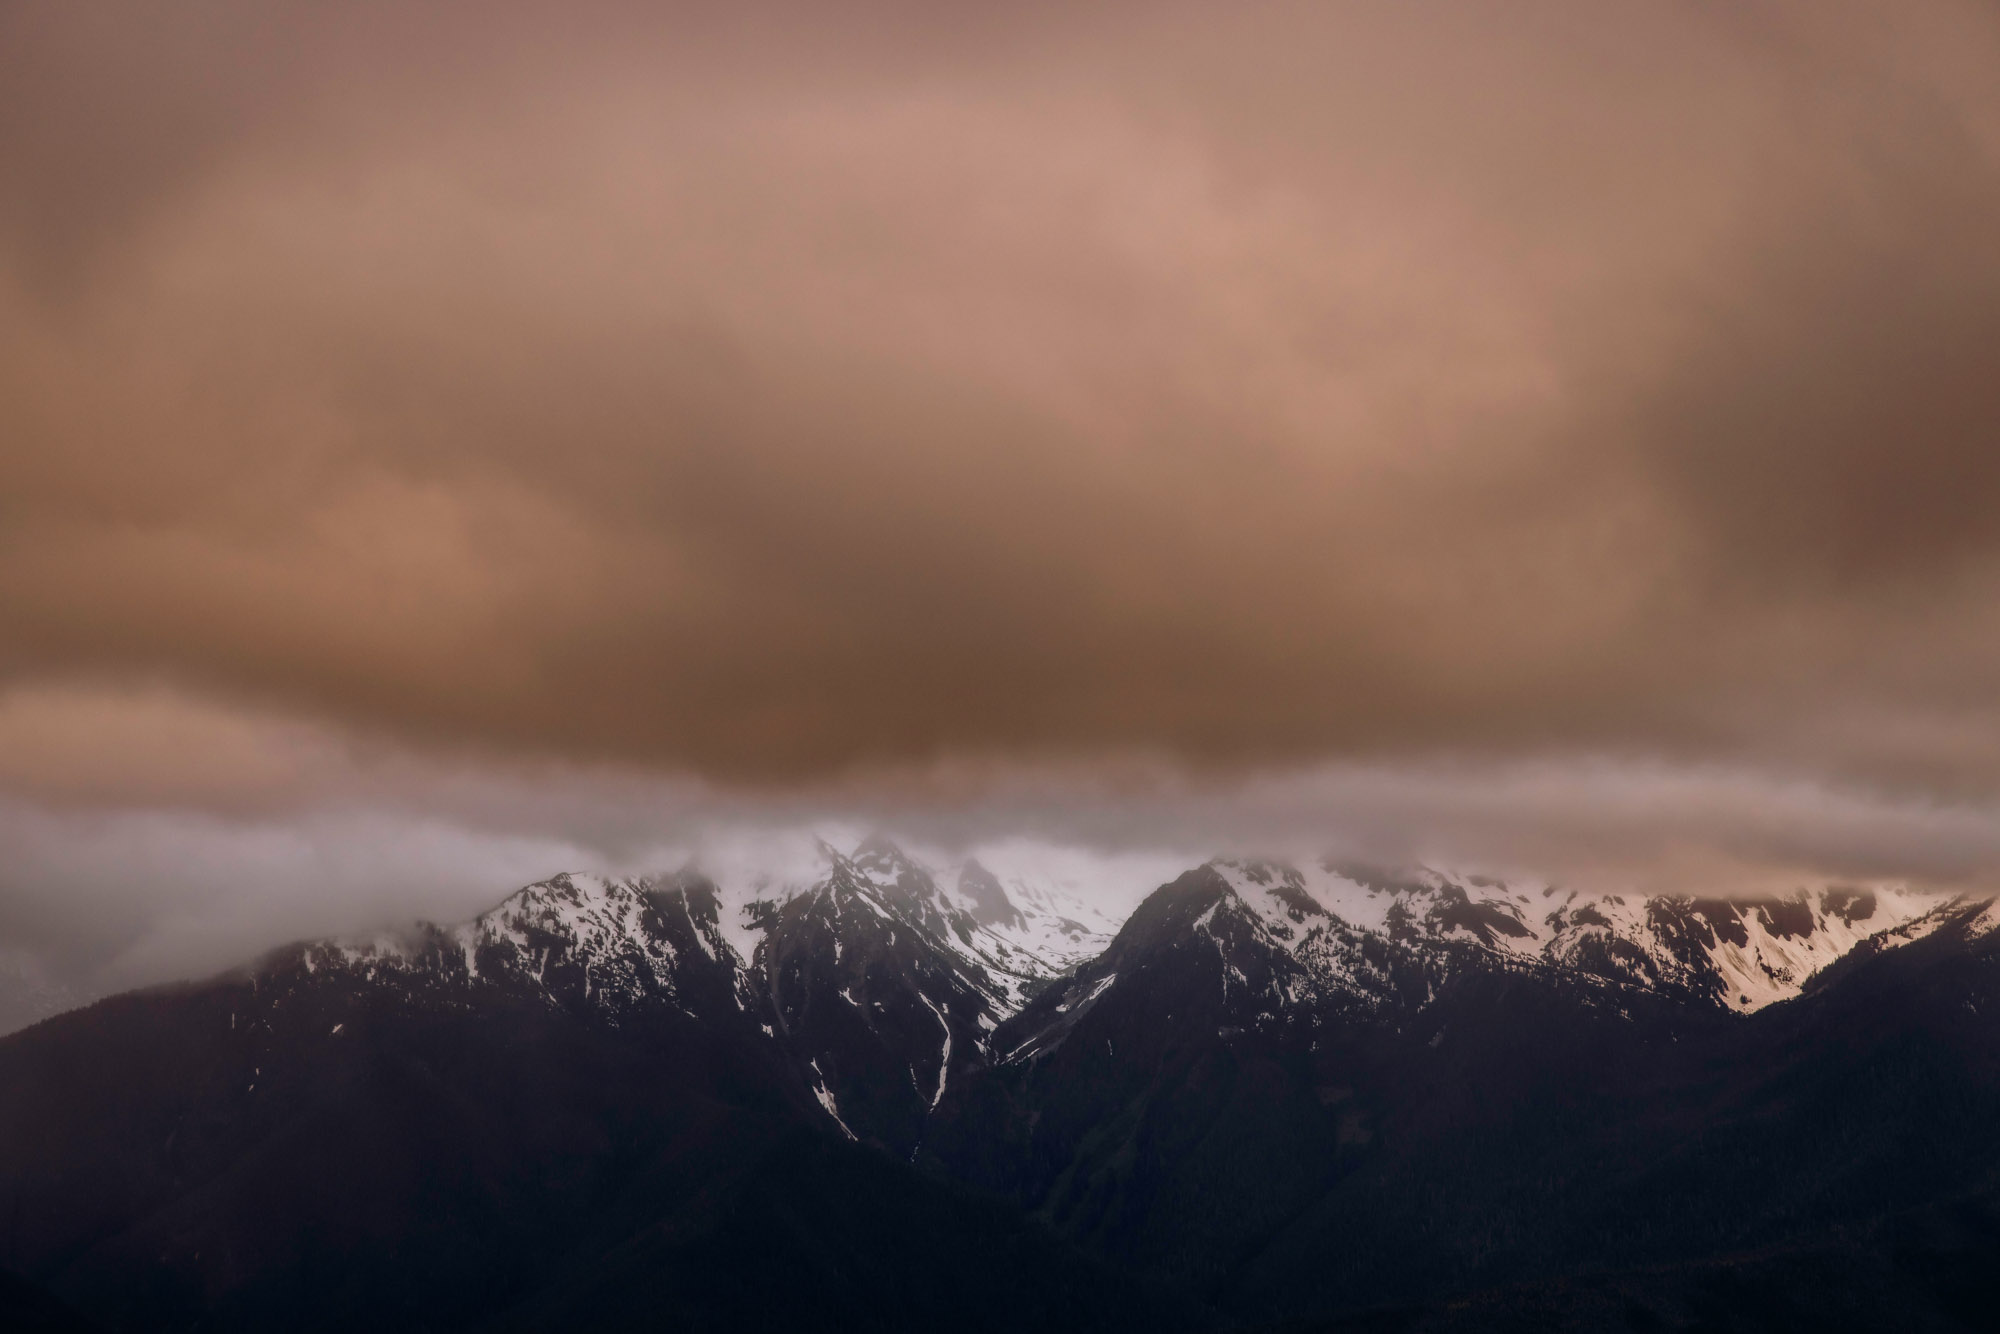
x: 1742, y: 954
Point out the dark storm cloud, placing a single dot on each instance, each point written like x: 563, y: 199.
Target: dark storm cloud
x: 767, y: 391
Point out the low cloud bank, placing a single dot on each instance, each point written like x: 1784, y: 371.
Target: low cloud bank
x: 313, y: 833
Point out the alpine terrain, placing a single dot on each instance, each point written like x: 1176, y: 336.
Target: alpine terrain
x: 902, y: 1096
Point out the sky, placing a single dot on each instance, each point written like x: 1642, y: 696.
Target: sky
x: 446, y: 443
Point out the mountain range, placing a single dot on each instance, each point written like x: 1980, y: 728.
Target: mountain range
x: 904, y: 1097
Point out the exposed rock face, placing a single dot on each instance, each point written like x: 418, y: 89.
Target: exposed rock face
x: 1273, y: 1093
x: 883, y: 985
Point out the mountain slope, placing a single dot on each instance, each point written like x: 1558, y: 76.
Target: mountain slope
x: 1184, y: 1096
x: 880, y: 982
x: 1828, y: 1164
x: 870, y: 981
x: 1280, y: 1093
x: 1741, y: 954
x: 319, y: 1149
x: 558, y: 1105
x: 1239, y: 1090
x: 26, y: 1308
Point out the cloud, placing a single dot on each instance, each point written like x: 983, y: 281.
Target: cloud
x: 728, y: 395
x: 279, y: 829
x: 1098, y: 423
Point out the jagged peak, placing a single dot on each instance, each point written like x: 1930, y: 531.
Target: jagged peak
x: 879, y: 854
x: 987, y: 896
x: 1741, y: 953
x: 880, y: 879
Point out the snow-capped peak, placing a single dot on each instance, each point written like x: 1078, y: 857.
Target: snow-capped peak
x: 1743, y: 954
